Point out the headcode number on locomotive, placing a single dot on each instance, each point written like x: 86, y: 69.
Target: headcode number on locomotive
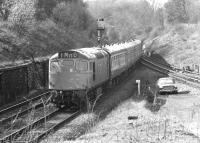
x: 68, y: 55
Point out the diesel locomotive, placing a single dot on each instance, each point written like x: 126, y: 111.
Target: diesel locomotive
x: 78, y: 75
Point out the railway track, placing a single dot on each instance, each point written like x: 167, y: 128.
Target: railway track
x: 10, y: 116
x: 36, y: 130
x: 41, y: 124
x: 4, y: 119
x: 193, y: 81
x: 18, y: 105
x: 23, y: 108
x: 193, y: 76
x: 66, y: 118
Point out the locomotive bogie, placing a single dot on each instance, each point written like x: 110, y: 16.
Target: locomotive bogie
x: 68, y: 98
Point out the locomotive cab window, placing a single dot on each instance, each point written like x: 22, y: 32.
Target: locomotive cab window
x: 67, y: 63
x: 81, y: 66
x: 54, y: 66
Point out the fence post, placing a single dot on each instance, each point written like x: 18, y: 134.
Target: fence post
x: 155, y: 97
x: 138, y: 82
x: 1, y: 95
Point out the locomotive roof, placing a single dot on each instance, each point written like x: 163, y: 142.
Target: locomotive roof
x: 122, y: 46
x: 88, y: 53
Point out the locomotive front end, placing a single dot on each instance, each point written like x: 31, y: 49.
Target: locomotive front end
x: 68, y: 75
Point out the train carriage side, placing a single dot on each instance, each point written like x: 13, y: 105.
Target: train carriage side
x: 134, y: 52
x: 117, y: 62
x: 123, y: 56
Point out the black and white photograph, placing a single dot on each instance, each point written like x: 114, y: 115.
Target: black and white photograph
x: 99, y: 71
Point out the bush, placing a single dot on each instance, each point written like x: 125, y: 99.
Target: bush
x: 43, y: 27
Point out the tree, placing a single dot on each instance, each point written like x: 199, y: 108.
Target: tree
x: 68, y: 26
x: 74, y: 18
x: 5, y: 6
x: 176, y: 11
x: 193, y: 11
x: 45, y: 9
x: 22, y: 16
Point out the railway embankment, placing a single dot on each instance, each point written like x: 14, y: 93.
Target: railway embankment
x: 175, y: 120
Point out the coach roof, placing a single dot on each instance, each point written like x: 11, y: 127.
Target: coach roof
x: 88, y: 53
x: 92, y: 53
x: 122, y: 46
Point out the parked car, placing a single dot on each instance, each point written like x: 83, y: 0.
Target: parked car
x: 166, y: 85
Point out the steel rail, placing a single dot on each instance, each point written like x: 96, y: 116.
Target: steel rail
x: 171, y: 73
x: 23, y: 103
x: 169, y: 70
x: 55, y: 127
x: 188, y: 74
x: 24, y: 112
x: 27, y: 128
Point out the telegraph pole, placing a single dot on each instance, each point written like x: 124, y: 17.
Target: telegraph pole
x: 100, y: 30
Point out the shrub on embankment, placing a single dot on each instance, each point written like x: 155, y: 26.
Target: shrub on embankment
x: 179, y: 45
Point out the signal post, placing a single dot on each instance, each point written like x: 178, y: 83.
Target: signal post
x: 100, y: 30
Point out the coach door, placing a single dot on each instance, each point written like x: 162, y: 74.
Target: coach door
x: 94, y: 72
x: 1, y: 93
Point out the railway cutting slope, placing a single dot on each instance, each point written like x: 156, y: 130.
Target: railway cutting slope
x: 178, y: 44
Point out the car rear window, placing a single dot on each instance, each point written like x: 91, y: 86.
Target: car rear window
x: 166, y: 81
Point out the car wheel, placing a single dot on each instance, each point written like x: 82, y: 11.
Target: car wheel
x: 176, y: 92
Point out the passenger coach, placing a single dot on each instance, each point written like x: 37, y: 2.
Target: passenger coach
x: 123, y: 56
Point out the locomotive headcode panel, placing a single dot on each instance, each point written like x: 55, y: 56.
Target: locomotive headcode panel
x: 70, y: 55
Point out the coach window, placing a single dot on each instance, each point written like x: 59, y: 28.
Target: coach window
x: 0, y: 83
x: 91, y: 66
x: 81, y: 65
